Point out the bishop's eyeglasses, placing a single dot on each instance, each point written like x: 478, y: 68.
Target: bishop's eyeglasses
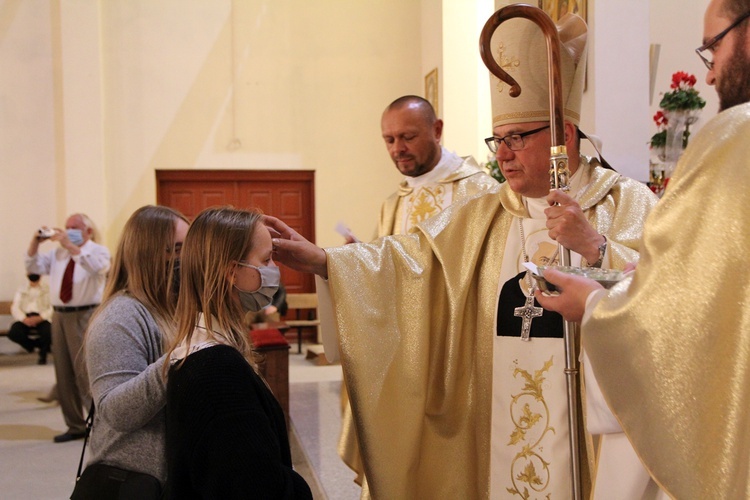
x: 513, y: 141
x: 709, y: 45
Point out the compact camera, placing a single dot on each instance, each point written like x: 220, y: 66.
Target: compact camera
x: 44, y: 233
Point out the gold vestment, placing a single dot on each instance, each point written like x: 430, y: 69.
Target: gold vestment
x: 465, y: 181
x: 670, y: 346
x: 415, y: 316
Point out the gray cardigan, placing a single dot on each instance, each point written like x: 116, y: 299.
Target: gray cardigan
x: 123, y: 345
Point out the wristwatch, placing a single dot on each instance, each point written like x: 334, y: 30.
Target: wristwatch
x: 602, y: 251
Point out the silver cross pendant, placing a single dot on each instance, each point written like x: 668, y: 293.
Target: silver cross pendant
x: 528, y: 312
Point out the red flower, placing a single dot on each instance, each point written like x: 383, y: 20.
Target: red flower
x: 681, y: 77
x: 660, y: 119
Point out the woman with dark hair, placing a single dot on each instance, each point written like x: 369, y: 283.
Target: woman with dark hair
x: 125, y: 341
x: 226, y: 433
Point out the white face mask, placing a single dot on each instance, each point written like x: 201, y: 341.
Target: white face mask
x: 270, y: 277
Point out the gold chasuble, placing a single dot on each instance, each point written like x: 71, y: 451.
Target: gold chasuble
x: 670, y: 347
x: 409, y: 206
x: 416, y: 318
x: 453, y: 179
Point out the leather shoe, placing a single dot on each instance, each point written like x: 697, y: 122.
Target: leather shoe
x: 69, y: 436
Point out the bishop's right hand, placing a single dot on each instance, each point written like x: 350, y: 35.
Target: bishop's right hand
x: 293, y: 250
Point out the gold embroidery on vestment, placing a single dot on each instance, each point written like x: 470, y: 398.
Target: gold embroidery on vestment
x: 528, y: 409
x: 426, y: 203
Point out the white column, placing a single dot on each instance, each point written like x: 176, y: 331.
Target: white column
x: 79, y: 111
x: 619, y: 72
x: 466, y: 88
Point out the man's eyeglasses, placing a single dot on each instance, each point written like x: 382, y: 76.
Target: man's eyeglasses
x: 513, y: 141
x: 713, y: 41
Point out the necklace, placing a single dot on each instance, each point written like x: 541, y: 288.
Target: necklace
x: 528, y: 312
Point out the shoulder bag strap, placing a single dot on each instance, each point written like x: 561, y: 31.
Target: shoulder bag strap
x: 89, y: 424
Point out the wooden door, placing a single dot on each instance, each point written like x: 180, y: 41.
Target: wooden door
x: 286, y: 194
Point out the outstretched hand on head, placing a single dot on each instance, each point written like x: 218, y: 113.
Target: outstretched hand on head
x: 293, y: 250
x: 574, y: 290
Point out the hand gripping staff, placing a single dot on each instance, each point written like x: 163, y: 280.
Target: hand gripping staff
x: 559, y: 175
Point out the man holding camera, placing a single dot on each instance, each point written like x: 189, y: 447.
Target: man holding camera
x: 77, y: 272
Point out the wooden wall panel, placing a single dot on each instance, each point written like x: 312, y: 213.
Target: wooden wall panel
x: 286, y: 194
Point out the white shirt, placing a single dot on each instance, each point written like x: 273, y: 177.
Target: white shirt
x: 89, y: 275
x: 30, y: 299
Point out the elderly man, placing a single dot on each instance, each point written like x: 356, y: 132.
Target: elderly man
x: 667, y: 363
x: 455, y: 393
x: 77, y: 271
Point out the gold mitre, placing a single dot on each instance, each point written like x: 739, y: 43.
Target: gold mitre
x: 519, y: 47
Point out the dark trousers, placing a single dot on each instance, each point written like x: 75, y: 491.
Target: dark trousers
x: 21, y: 334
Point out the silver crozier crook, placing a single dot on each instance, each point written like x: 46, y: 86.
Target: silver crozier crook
x: 559, y: 175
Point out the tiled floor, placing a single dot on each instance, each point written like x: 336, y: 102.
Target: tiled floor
x: 315, y: 408
x: 34, y: 467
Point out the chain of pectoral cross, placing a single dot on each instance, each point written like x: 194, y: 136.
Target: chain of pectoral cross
x: 528, y: 312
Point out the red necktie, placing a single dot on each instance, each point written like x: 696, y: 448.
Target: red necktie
x: 66, y: 290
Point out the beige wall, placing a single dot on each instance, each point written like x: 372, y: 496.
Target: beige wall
x: 257, y: 85
x: 677, y: 26
x: 96, y: 95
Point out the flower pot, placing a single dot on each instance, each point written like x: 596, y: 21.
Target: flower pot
x: 678, y: 131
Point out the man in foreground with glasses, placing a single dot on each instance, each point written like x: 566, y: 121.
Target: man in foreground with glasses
x: 667, y: 350
x: 456, y: 381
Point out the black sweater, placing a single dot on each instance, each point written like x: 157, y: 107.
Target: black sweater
x: 226, y: 433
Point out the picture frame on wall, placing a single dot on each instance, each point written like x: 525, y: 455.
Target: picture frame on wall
x: 431, y: 89
x: 558, y: 8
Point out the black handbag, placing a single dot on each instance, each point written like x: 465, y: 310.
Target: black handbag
x: 103, y: 482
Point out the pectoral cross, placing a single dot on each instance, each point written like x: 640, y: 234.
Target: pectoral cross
x: 528, y: 312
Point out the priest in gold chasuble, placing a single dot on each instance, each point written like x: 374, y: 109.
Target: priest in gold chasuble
x: 667, y: 350
x: 449, y: 401
x: 426, y: 397
x: 434, y: 179
x: 670, y: 345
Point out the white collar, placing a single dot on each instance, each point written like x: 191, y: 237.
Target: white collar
x: 448, y: 164
x: 202, y: 338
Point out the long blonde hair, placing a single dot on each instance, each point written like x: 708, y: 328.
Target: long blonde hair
x: 144, y: 263
x: 218, y: 238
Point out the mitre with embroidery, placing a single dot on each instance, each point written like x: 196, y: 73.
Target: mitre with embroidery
x: 519, y: 47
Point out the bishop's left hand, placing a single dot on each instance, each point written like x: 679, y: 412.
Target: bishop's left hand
x: 573, y: 292
x: 569, y: 226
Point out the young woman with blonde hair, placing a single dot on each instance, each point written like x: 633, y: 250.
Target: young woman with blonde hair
x: 226, y: 433
x: 124, y: 345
